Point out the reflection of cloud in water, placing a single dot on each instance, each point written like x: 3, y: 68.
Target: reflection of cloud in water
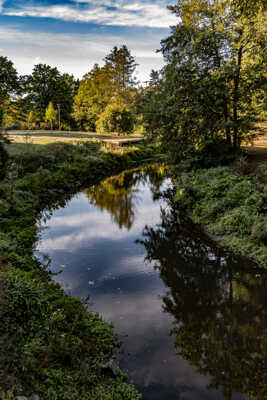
x: 70, y: 232
x: 129, y: 266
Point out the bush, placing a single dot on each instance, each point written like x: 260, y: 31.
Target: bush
x: 115, y: 118
x: 230, y: 205
x: 58, y: 346
x: 214, y: 153
x: 3, y: 159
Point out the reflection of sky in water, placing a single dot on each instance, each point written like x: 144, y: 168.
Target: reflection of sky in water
x: 99, y: 259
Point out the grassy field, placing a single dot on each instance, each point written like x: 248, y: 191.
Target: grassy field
x: 69, y: 134
x: 40, y: 139
x: 32, y: 141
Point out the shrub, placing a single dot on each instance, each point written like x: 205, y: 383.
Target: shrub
x: 214, y: 153
x: 3, y: 160
x: 57, y: 346
x: 230, y: 205
x: 259, y: 231
x: 115, y: 118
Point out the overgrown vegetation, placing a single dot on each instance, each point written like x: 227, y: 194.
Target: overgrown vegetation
x: 230, y: 205
x: 53, y: 346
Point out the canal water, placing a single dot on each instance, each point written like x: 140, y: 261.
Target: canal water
x: 191, y: 318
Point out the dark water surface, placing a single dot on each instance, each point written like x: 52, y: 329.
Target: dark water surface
x: 192, y: 319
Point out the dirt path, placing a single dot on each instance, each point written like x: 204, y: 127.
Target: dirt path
x: 257, y: 152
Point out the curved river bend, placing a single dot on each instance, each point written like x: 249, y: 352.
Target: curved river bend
x: 191, y: 319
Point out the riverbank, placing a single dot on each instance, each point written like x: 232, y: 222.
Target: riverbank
x: 229, y: 203
x: 51, y: 345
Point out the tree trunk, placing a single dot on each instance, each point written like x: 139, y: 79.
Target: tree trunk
x: 236, y: 96
x: 226, y: 116
x: 225, y: 105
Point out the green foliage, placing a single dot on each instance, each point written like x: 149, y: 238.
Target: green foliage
x: 116, y: 118
x: 50, y: 114
x: 55, y: 347
x: 30, y: 119
x: 58, y: 346
x: 213, y: 83
x: 3, y: 152
x: 95, y: 92
x: 229, y: 205
x: 112, y: 390
x: 102, y: 88
x: 9, y: 83
x: 122, y: 67
x: 46, y: 85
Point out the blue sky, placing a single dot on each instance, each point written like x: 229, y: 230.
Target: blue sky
x: 75, y: 34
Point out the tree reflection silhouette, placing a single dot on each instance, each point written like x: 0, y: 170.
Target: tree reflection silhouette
x: 219, y: 305
x: 119, y: 194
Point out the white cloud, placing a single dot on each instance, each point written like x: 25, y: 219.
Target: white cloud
x: 137, y: 14
x: 76, y: 53
x: 91, y: 228
x: 1, y: 4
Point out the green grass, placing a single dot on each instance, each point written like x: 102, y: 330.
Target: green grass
x: 229, y: 205
x: 40, y: 145
x: 68, y: 134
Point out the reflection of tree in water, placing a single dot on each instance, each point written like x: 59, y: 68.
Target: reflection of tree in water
x: 119, y: 194
x: 219, y: 303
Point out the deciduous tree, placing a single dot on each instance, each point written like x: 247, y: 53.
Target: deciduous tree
x: 51, y: 114
x: 9, y: 85
x: 46, y: 84
x: 109, y: 86
x: 213, y: 79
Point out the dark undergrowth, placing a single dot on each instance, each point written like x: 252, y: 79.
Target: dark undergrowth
x: 50, y: 344
x: 230, y: 203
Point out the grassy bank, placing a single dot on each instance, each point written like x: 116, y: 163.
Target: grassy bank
x: 230, y: 205
x: 50, y: 344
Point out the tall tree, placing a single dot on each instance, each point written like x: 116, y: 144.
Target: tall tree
x: 150, y: 105
x: 46, y: 85
x: 109, y: 86
x: 213, y: 77
x: 95, y: 92
x: 9, y: 85
x: 9, y: 81
x: 122, y: 66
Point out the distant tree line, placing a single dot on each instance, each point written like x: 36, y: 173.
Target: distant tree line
x: 104, y: 100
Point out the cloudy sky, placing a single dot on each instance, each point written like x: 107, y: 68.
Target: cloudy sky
x: 75, y: 34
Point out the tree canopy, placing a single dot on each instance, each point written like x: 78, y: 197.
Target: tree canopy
x: 9, y: 86
x: 213, y: 81
x: 47, y: 84
x: 106, y: 94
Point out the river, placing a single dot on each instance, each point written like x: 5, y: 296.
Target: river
x: 191, y: 318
